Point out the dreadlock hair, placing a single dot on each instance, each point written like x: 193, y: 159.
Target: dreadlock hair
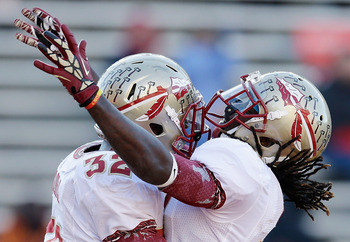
x: 293, y: 174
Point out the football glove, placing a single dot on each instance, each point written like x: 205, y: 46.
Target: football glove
x: 73, y: 68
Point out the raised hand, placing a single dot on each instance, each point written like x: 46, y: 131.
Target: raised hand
x: 59, y: 46
x: 73, y: 68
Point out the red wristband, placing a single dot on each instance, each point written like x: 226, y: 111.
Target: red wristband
x: 94, y: 101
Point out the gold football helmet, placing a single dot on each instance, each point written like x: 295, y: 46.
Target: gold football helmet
x: 271, y: 110
x: 157, y: 94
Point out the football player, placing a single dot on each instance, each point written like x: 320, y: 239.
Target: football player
x: 96, y: 197
x: 272, y: 130
x: 270, y: 133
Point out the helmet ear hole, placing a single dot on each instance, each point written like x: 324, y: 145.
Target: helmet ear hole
x: 267, y: 142
x: 157, y: 129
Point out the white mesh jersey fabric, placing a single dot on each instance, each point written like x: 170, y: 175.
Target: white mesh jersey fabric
x: 96, y: 194
x: 254, y: 198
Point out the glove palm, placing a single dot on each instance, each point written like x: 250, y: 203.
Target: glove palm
x: 73, y: 68
x: 58, y: 44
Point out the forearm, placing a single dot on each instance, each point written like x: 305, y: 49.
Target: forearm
x: 144, y: 154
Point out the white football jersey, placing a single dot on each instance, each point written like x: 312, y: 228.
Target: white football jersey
x: 96, y: 194
x: 254, y: 199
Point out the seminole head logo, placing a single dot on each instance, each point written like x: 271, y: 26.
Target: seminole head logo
x: 179, y: 87
x: 292, y: 96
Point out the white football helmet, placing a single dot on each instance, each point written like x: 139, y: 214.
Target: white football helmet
x: 157, y: 94
x: 280, y: 107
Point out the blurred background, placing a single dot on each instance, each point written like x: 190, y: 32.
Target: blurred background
x: 215, y: 41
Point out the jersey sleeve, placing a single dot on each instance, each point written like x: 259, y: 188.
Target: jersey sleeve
x: 196, y: 185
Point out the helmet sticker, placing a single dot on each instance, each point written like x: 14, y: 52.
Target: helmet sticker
x: 293, y: 96
x: 156, y: 108
x: 179, y: 87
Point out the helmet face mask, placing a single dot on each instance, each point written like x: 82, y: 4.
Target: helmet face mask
x: 193, y: 127
x: 157, y: 94
x: 241, y: 104
x: 280, y: 107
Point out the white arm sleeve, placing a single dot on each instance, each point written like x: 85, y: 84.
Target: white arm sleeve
x: 173, y: 175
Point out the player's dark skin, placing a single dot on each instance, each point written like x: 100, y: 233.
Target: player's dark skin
x: 144, y: 154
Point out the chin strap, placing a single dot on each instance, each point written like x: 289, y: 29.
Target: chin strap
x: 173, y: 116
x: 257, y: 143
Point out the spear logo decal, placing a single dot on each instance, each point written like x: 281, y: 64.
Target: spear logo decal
x: 292, y: 96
